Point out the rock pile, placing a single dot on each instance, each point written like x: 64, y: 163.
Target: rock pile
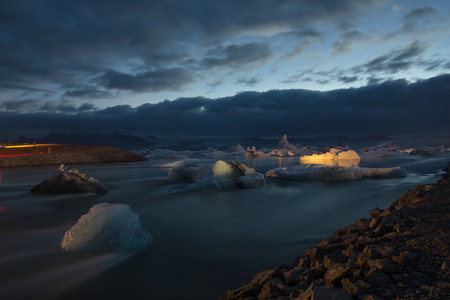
x: 402, y: 252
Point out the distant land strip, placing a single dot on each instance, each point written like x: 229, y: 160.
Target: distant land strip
x: 54, y: 154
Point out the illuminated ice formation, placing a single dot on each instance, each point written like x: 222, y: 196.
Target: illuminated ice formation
x: 236, y: 175
x: 178, y: 164
x: 106, y: 227
x: 221, y: 175
x: 69, y: 181
x: 334, y: 157
x: 317, y: 172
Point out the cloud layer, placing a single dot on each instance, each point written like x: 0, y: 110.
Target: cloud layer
x: 392, y: 107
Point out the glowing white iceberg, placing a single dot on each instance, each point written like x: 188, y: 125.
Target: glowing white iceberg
x: 317, y: 172
x: 334, y: 157
x: 69, y: 181
x: 107, y: 227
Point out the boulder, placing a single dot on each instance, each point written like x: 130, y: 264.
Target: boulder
x: 69, y: 181
x: 377, y: 277
x: 336, y: 273
x: 329, y: 293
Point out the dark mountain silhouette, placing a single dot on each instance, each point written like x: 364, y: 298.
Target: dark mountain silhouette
x: 127, y: 142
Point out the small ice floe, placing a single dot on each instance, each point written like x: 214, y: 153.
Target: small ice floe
x: 221, y: 175
x: 285, y: 148
x: 189, y: 174
x: 385, y: 147
x: 252, y: 153
x: 69, y: 181
x: 178, y: 164
x: 106, y: 227
x: 317, y: 172
x: 335, y: 157
x: 236, y: 175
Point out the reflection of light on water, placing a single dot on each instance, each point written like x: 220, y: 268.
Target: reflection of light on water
x: 332, y: 162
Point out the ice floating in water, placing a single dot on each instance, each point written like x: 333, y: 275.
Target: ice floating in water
x: 69, y: 181
x: 236, y: 175
x: 107, y: 227
x: 189, y: 174
x: 221, y: 175
x: 178, y: 164
x: 316, y: 172
x: 334, y: 157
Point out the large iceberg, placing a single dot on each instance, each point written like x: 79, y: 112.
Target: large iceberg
x: 69, y: 181
x: 107, y: 227
x: 221, y: 175
x: 317, y: 172
x: 335, y: 157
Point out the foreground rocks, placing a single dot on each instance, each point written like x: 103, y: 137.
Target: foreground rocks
x: 402, y: 252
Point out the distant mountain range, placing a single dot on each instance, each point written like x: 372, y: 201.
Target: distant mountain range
x: 127, y: 142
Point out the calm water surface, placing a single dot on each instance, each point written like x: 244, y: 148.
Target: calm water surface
x: 204, y: 241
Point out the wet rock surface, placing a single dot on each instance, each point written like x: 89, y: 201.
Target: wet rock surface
x: 402, y: 252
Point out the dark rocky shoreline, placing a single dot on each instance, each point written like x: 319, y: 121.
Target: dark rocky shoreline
x: 402, y: 252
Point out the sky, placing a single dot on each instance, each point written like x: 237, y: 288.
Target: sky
x: 223, y: 67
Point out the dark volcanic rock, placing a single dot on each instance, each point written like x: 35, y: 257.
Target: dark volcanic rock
x: 69, y: 181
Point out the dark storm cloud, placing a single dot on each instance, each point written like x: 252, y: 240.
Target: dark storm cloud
x: 391, y: 107
x: 412, y: 20
x: 66, y: 107
x: 174, y: 79
x: 347, y: 38
x: 249, y: 81
x: 237, y: 55
x: 63, y: 42
x: 20, y: 105
x: 87, y: 93
x: 394, y: 61
x: 346, y: 79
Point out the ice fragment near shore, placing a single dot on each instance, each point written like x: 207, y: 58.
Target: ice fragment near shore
x: 69, y: 181
x: 107, y: 227
x: 317, y: 172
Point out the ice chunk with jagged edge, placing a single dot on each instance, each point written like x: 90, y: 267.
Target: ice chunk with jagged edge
x: 251, y: 180
x: 107, y: 227
x: 178, y: 164
x: 317, y: 172
x: 69, y: 181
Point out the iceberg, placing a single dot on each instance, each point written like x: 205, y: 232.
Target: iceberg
x: 236, y: 175
x: 69, y: 181
x: 106, y: 227
x: 189, y: 174
x: 221, y: 175
x: 178, y: 164
x: 335, y: 157
x: 318, y: 172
